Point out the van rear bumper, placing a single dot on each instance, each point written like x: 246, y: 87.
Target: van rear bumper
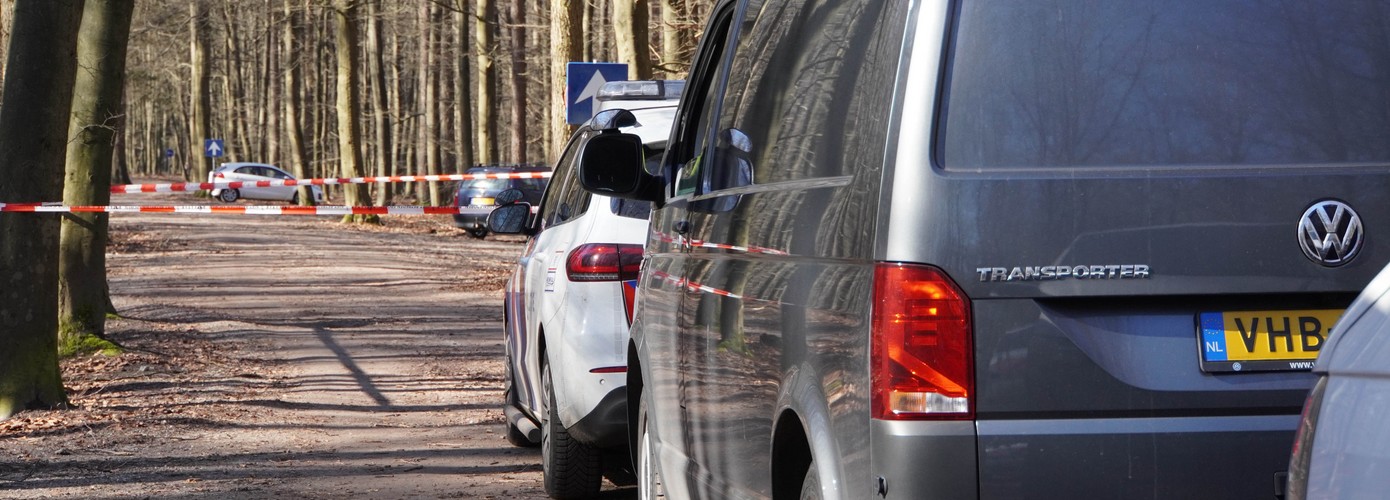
x: 923, y: 460
x: 1178, y: 457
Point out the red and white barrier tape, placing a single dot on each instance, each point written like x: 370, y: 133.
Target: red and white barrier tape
x: 692, y: 286
x: 704, y: 244
x: 234, y: 209
x: 204, y: 186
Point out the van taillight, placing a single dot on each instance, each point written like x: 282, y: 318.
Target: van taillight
x: 922, y: 354
x: 604, y: 262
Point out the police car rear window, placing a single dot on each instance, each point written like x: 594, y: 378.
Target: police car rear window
x: 1115, y: 83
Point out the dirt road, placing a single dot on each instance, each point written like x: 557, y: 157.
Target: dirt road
x: 286, y: 357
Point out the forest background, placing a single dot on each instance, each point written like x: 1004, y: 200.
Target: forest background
x: 99, y: 91
x: 445, y: 84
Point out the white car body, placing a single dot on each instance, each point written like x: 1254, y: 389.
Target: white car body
x: 585, y: 323
x: 253, y: 172
x: 578, y: 328
x: 1343, y: 444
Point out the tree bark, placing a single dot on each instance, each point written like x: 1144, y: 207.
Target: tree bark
x: 402, y: 130
x: 41, y: 68
x: 269, y: 119
x: 484, y: 40
x: 673, y: 60
x: 237, y: 108
x: 429, y: 102
x: 566, y: 46
x: 349, y: 107
x: 463, y: 84
x: 630, y: 19
x: 201, y: 126
x: 97, y: 119
x: 385, y: 166
x: 517, y: 20
x: 294, y: 128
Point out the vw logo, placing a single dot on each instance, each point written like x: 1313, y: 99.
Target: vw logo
x: 1330, y: 233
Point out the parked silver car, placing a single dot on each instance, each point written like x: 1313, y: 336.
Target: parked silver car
x: 253, y: 172
x: 1343, y: 444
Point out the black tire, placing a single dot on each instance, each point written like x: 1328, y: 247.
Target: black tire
x: 810, y: 485
x: 570, y: 468
x: 294, y: 199
x: 228, y: 195
x: 514, y: 435
x: 478, y: 233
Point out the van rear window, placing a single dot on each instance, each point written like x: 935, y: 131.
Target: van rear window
x: 1138, y: 83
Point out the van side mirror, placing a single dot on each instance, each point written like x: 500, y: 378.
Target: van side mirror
x: 614, y: 164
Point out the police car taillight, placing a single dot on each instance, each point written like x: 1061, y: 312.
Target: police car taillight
x: 604, y: 262
x: 1301, y: 458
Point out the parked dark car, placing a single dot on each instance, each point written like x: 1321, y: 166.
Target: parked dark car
x: 1012, y: 249
x: 477, y: 198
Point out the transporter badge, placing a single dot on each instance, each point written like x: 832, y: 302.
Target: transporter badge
x: 1051, y: 273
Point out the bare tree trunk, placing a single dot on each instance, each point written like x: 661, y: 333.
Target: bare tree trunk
x: 201, y: 125
x: 672, y: 53
x: 630, y: 19
x: 41, y: 65
x: 4, y: 35
x: 349, y: 107
x: 402, y: 129
x: 237, y: 107
x: 97, y: 117
x: 484, y: 40
x: 299, y: 155
x: 517, y: 19
x: 463, y: 83
x: 586, y: 51
x: 385, y: 166
x: 120, y: 172
x: 270, y: 122
x: 429, y: 100
x: 566, y: 45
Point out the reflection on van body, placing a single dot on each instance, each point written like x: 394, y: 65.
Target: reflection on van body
x: 824, y: 146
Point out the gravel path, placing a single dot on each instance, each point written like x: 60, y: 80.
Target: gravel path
x: 286, y: 357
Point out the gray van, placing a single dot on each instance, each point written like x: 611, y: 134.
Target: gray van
x: 1005, y: 249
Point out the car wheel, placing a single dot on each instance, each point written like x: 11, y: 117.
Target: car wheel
x: 478, y: 233
x: 294, y: 198
x: 570, y: 468
x: 514, y: 435
x: 228, y: 195
x: 810, y: 485
x: 648, y: 479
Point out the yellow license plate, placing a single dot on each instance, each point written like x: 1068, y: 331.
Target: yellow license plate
x: 1245, y: 341
x: 482, y: 202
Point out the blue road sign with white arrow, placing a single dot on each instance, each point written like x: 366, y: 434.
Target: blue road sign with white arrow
x: 213, y: 148
x: 582, y: 83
